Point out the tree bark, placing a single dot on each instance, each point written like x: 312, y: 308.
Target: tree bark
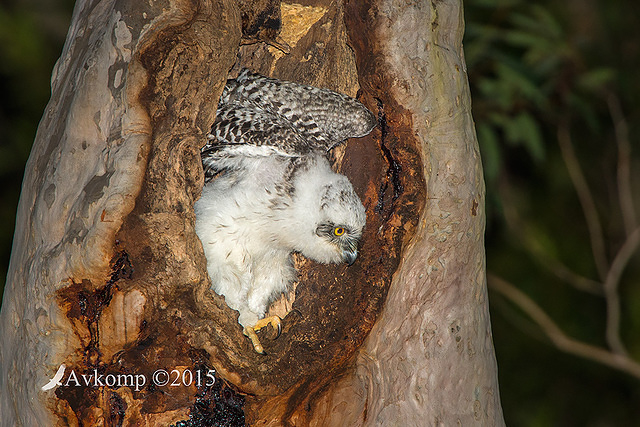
x: 108, y: 276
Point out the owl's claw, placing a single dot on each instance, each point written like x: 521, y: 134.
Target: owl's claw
x: 250, y: 332
x: 274, y: 321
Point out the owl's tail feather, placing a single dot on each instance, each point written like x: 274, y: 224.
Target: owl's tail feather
x: 250, y: 332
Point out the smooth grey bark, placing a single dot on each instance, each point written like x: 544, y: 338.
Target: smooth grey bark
x: 89, y: 139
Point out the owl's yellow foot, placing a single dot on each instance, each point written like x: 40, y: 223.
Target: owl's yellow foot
x: 250, y: 332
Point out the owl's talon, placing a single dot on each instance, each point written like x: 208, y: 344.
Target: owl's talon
x: 274, y: 321
x: 250, y: 332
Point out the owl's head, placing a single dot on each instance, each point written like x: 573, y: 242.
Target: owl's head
x: 341, y: 221
x: 333, y: 217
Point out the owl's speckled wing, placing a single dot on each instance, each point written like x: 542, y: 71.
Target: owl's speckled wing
x: 261, y: 116
x: 244, y: 126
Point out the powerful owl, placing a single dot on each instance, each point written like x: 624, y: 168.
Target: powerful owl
x: 270, y: 190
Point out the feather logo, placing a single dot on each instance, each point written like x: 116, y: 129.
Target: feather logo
x: 55, y: 381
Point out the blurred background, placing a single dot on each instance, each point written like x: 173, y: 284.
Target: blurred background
x: 554, y: 88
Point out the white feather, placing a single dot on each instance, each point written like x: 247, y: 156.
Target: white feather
x: 270, y: 189
x: 249, y: 228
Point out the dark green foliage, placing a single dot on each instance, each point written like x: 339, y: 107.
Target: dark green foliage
x: 537, y: 69
x: 525, y: 73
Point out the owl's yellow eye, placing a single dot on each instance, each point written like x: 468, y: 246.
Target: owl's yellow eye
x: 338, y: 231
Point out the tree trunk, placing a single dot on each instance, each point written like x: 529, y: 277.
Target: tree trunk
x: 108, y: 276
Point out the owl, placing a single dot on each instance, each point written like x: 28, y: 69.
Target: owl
x: 270, y: 191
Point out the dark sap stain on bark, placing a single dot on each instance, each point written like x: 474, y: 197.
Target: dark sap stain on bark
x: 117, y: 410
x: 391, y: 186
x: 84, y: 305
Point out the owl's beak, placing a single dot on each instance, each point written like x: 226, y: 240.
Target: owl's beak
x: 349, y: 256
